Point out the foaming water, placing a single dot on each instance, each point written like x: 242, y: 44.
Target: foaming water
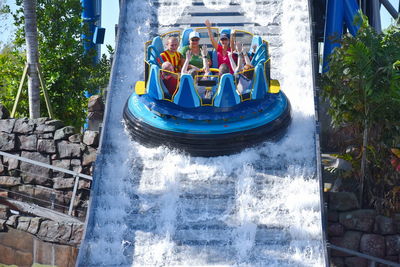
x: 158, y: 207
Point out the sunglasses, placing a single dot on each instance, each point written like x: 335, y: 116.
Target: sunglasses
x: 224, y: 39
x: 195, y: 39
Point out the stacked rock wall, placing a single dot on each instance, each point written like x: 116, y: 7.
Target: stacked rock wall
x: 47, y: 141
x: 25, y: 237
x: 362, y: 230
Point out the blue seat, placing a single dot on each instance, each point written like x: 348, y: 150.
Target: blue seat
x: 226, y: 95
x: 154, y: 51
x: 260, y: 55
x: 187, y: 96
x: 185, y: 38
x: 260, y: 87
x: 155, y: 88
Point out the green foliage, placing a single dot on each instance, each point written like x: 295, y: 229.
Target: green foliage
x: 12, y: 65
x: 66, y: 70
x: 363, y: 88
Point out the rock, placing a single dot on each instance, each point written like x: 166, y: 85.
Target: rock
x: 384, y: 225
x: 7, y: 142
x: 95, y: 103
x: 45, y: 135
x: 337, y: 262
x: 362, y: 220
x: 2, y: 166
x: 10, y: 181
x: 91, y: 138
x: 55, y: 231
x: 64, y: 133
x: 396, y: 219
x: 76, y: 165
x: 75, y: 138
x: 28, y: 142
x: 40, y: 121
x: 350, y: 240
x: 342, y: 201
x: 23, y: 223
x: 3, y: 226
x: 34, y: 225
x: 356, y: 261
x: 89, y: 156
x: 63, y: 183
x: 11, y: 163
x: 4, y: 113
x: 24, y: 126
x: 333, y: 216
x: 373, y: 245
x: 335, y: 229
x: 64, y: 164
x: 4, y: 212
x: 46, y: 146
x: 49, y: 126
x: 77, y: 233
x: 392, y: 245
x: 69, y: 150
x: 33, y: 173
x: 12, y: 221
x: 7, y: 126
x: 84, y: 184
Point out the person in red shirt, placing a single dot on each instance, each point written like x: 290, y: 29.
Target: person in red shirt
x: 169, y: 78
x: 223, y: 48
x: 172, y: 55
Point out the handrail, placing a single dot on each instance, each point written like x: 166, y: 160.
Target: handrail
x: 48, y: 166
x: 362, y: 255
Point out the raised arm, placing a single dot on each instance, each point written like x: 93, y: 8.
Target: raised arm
x: 233, y: 64
x: 210, y: 35
x: 246, y: 57
x: 187, y: 60
x: 204, y: 55
x: 239, y: 49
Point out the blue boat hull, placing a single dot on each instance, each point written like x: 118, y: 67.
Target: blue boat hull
x: 209, y: 132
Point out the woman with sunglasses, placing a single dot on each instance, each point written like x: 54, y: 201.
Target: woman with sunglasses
x: 194, y: 47
x: 223, y: 48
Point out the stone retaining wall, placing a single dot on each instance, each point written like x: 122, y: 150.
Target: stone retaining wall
x: 47, y: 141
x: 361, y: 230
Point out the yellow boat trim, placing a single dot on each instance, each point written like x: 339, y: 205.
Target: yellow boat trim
x: 274, y: 87
x: 140, y: 88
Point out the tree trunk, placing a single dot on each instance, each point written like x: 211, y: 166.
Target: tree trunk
x: 32, y: 56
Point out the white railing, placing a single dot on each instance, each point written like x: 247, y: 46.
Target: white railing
x: 76, y: 176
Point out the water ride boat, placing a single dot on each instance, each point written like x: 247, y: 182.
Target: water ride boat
x: 220, y: 121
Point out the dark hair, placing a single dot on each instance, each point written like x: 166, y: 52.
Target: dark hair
x: 223, y: 68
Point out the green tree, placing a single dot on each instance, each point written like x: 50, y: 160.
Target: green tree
x: 66, y: 70
x: 363, y: 88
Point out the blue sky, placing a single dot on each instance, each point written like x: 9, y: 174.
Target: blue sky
x: 110, y: 12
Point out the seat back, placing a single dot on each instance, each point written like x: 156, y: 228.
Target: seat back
x: 260, y: 87
x: 154, y: 51
x: 185, y: 38
x: 187, y: 96
x: 260, y: 55
x: 226, y: 95
x: 155, y: 89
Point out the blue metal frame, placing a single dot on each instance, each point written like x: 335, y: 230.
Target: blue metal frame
x: 338, y: 13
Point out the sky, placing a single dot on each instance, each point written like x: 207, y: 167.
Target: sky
x: 110, y: 13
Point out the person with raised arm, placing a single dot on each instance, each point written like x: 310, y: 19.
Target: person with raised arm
x: 223, y: 48
x: 243, y: 75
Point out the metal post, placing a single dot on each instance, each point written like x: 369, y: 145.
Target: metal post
x: 19, y: 90
x: 71, y: 205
